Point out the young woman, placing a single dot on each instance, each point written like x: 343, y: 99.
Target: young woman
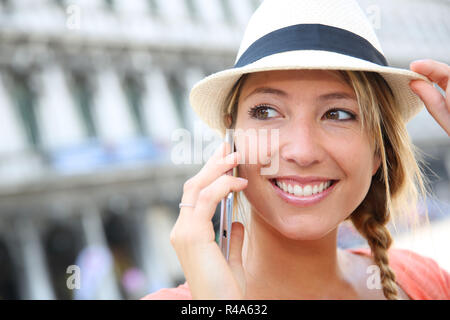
x: 314, y: 73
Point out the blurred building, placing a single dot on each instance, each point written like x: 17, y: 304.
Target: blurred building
x: 93, y: 94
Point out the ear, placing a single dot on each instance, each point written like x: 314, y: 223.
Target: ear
x: 376, y: 162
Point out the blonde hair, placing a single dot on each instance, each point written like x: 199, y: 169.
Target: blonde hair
x: 396, y: 186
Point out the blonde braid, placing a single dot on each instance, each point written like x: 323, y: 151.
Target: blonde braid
x: 370, y: 220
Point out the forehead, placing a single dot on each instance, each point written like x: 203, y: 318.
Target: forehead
x: 326, y: 78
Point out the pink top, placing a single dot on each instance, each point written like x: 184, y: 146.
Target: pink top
x: 420, y: 277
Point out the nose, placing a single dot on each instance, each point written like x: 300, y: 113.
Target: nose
x: 300, y: 143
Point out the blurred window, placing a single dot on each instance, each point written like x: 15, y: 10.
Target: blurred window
x: 154, y: 7
x: 62, y: 244
x: 8, y: 276
x: 61, y: 3
x: 227, y: 12
x: 25, y: 99
x: 134, y: 92
x: 121, y: 237
x: 110, y: 4
x: 192, y: 10
x: 177, y: 91
x: 5, y: 5
x: 83, y: 95
x: 255, y: 4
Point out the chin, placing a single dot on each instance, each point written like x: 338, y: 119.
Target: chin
x: 303, y: 235
x: 302, y: 228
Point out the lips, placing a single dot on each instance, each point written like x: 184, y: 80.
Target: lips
x: 307, y: 192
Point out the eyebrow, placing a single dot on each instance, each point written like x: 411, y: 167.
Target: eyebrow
x: 336, y: 96
x: 267, y: 90
x: 339, y: 95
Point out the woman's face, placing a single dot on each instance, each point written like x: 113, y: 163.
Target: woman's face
x: 320, y: 151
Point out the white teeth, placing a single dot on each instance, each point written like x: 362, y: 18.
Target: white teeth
x: 305, y: 191
x: 290, y: 189
x: 315, y: 189
x: 298, y: 190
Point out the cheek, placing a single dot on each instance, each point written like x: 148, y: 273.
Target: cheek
x: 356, y: 161
x: 247, y: 143
x: 360, y: 162
x: 353, y: 153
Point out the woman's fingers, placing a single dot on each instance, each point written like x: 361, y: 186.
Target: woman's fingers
x: 206, y: 270
x: 209, y: 197
x: 436, y: 71
x: 216, y: 166
x: 430, y: 96
x: 204, y: 191
x: 437, y: 105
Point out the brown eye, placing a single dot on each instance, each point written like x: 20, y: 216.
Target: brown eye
x: 340, y: 115
x: 332, y: 115
x: 262, y: 112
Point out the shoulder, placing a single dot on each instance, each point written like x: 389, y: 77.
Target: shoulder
x: 420, y: 277
x: 179, y: 293
x: 422, y: 274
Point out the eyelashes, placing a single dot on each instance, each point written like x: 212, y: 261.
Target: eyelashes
x: 334, y: 113
x: 262, y: 112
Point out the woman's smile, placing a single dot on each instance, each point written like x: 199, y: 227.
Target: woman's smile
x: 302, y: 194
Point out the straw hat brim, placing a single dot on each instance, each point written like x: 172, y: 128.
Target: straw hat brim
x: 208, y: 95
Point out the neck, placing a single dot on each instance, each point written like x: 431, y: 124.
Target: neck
x: 283, y: 268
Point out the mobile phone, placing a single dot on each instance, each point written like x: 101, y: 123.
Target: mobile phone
x: 226, y: 208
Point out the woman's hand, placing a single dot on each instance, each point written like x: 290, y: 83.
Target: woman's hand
x: 437, y: 105
x: 206, y: 270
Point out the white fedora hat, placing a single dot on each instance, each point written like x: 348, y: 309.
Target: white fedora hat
x: 305, y: 34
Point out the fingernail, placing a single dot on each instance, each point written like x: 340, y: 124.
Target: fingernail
x: 242, y: 179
